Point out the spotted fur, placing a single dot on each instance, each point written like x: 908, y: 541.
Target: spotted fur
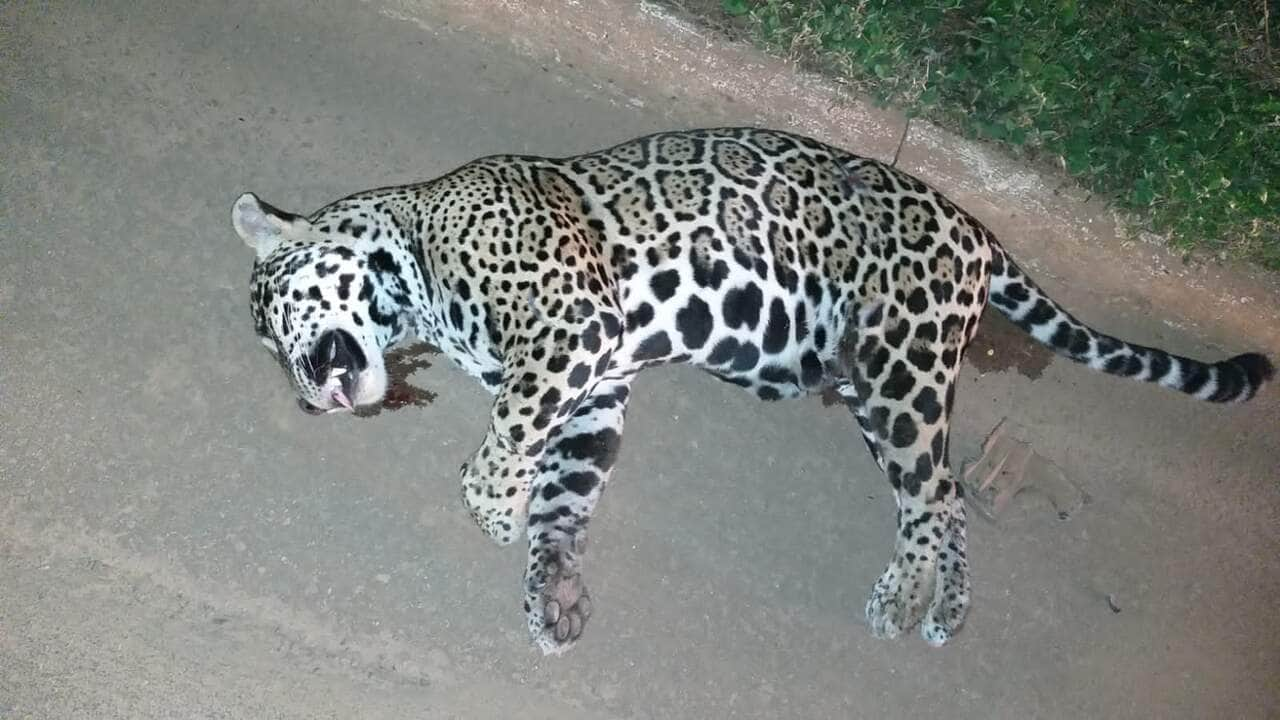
x: 775, y: 262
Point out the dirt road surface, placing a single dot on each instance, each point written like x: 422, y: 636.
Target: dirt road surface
x: 178, y: 541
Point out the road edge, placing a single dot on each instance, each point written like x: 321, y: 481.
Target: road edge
x: 1067, y: 239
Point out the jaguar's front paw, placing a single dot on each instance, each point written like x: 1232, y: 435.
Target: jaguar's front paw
x: 556, y: 603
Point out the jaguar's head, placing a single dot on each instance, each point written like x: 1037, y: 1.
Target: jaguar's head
x: 318, y: 307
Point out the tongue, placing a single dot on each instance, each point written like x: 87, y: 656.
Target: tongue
x: 340, y: 397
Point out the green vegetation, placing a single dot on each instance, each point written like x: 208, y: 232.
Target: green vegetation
x: 1169, y: 107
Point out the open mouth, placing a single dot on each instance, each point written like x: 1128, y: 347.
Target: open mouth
x: 340, y: 396
x: 334, y: 364
x: 346, y: 388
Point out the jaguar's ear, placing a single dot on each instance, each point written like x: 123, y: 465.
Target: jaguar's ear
x: 261, y: 226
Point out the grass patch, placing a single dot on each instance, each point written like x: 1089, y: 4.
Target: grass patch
x: 1169, y: 107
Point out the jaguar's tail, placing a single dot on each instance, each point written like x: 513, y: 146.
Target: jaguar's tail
x: 1014, y: 294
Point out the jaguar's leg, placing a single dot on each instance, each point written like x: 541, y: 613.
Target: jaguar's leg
x: 577, y: 464
x: 902, y: 399
x: 545, y: 380
x: 849, y: 394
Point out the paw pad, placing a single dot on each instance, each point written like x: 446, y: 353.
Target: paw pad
x: 557, y: 602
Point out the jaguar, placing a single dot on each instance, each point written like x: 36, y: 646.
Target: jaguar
x: 775, y: 262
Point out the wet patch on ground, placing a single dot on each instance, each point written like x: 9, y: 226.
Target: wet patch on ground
x: 401, y: 363
x: 1001, y: 345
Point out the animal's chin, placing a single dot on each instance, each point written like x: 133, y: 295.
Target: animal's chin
x: 346, y: 393
x: 310, y: 409
x: 338, y: 402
